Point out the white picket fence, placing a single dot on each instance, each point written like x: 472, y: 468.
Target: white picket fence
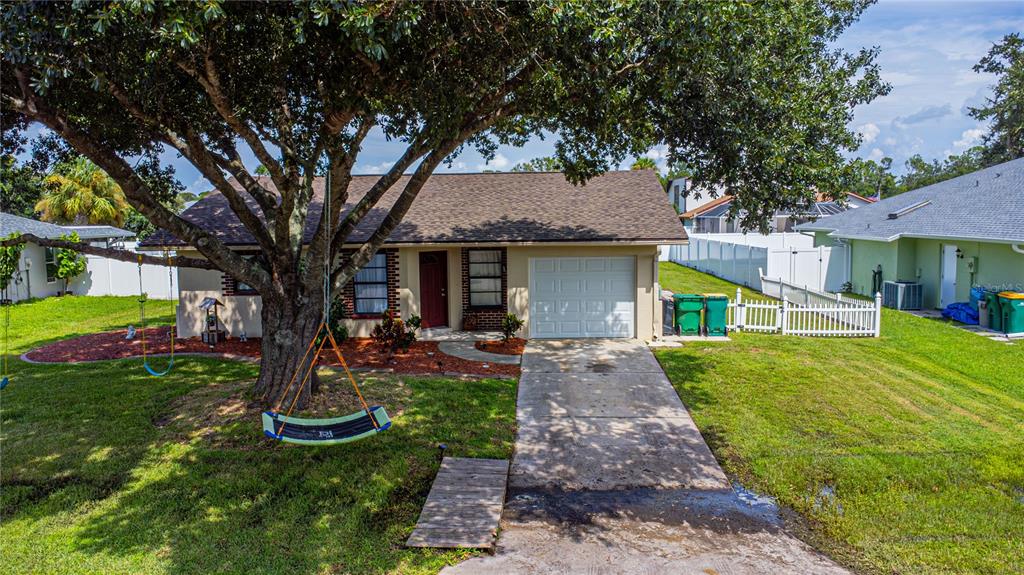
x: 803, y: 311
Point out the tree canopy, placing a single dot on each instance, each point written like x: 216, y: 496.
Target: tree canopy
x: 1005, y: 108
x: 751, y: 95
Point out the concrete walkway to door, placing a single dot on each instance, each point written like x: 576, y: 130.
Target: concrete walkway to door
x: 611, y: 476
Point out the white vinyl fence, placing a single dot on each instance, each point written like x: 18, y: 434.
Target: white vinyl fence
x: 739, y: 257
x: 104, y: 276
x: 803, y: 311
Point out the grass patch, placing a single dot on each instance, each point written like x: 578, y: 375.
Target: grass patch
x: 107, y: 470
x: 919, y: 433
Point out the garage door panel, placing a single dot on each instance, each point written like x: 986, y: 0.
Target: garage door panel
x: 568, y: 265
x: 582, y: 297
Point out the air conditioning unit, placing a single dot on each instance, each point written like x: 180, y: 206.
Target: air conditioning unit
x: 902, y: 295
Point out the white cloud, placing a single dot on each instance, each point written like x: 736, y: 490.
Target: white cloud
x: 372, y: 168
x: 899, y: 78
x: 868, y: 132
x: 499, y: 162
x: 969, y: 138
x: 876, y: 154
x: 199, y: 186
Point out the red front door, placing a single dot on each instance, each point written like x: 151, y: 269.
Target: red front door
x: 434, y: 288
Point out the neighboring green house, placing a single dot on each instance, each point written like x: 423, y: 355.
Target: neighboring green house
x: 948, y: 237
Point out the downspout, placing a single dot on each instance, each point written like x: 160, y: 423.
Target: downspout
x: 1017, y: 248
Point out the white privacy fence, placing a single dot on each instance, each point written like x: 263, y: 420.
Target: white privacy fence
x: 802, y: 311
x: 104, y: 276
x: 739, y: 257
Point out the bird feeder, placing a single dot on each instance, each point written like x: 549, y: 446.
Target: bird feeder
x: 213, y: 331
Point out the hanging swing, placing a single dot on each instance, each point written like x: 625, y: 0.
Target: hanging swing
x: 142, y: 319
x: 5, y: 374
x: 329, y: 431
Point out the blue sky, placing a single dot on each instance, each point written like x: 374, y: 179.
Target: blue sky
x: 927, y: 51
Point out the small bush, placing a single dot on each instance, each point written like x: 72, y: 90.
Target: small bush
x: 393, y: 334
x: 510, y: 324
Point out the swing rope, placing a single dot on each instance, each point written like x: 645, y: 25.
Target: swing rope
x: 5, y: 360
x: 142, y: 319
x: 325, y: 428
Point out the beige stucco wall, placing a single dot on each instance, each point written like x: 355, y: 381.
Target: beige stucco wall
x: 648, y: 323
x: 242, y: 313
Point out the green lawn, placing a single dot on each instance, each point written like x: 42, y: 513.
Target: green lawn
x: 106, y: 470
x: 919, y: 434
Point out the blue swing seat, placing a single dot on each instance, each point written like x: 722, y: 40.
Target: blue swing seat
x: 153, y: 372
x: 4, y: 382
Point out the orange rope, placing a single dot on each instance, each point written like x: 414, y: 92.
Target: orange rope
x: 312, y: 366
x: 344, y: 364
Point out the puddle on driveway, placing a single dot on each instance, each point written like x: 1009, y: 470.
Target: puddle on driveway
x: 601, y: 367
x: 754, y: 499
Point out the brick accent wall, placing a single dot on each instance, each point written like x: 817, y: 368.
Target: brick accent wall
x: 486, y: 319
x: 348, y: 292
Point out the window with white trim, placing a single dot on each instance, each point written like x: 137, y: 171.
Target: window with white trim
x: 485, y: 278
x: 51, y: 265
x: 371, y: 287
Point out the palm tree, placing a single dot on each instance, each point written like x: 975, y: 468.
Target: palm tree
x: 644, y: 163
x: 78, y: 191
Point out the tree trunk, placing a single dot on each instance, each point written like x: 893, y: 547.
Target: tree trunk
x: 288, y: 328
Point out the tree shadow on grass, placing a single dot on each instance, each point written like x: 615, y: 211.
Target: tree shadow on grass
x: 260, y: 506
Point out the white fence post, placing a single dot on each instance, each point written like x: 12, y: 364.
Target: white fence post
x: 739, y: 310
x: 878, y: 314
x: 782, y: 316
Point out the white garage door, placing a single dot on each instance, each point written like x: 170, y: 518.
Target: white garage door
x: 582, y: 297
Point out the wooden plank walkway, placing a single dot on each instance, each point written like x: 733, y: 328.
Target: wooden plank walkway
x: 464, y: 505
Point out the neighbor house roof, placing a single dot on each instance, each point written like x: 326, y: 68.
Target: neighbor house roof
x: 822, y: 207
x: 498, y: 207
x: 100, y: 232
x: 986, y: 205
x: 12, y: 224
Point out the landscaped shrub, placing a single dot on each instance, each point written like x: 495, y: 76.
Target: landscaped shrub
x: 510, y: 324
x: 393, y: 334
x: 70, y: 264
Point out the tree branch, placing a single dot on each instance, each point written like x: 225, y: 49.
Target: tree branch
x: 135, y: 187
x: 111, y: 253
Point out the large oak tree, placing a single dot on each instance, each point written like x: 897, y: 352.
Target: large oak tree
x: 751, y: 95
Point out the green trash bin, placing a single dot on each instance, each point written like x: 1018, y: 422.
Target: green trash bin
x: 995, y: 311
x: 716, y: 306
x: 1011, y: 305
x: 689, y: 308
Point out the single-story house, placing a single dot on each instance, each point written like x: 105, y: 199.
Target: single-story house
x: 713, y: 217
x: 570, y: 261
x: 950, y: 236
x: 36, y: 275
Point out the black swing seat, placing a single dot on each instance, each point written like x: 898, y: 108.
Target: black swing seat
x: 328, y: 431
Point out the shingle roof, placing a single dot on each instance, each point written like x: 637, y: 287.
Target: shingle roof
x: 627, y: 206
x: 12, y: 224
x: 100, y: 232
x: 983, y: 205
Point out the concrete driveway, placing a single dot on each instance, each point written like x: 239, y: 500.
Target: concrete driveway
x: 611, y: 476
x: 601, y: 415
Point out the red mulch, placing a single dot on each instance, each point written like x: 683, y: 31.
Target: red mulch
x: 423, y: 357
x: 514, y: 346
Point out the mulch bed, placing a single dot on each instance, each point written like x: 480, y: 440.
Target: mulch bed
x: 514, y: 346
x: 423, y: 357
